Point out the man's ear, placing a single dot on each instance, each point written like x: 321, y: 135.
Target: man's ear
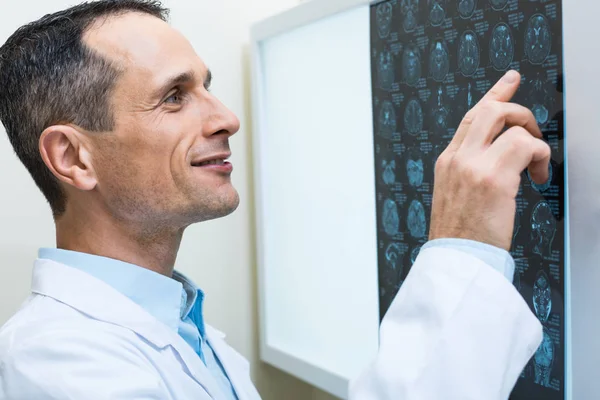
x: 64, y: 151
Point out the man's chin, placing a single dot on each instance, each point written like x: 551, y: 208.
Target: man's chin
x: 218, y: 209
x: 231, y: 207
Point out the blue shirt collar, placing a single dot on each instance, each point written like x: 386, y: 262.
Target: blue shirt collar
x: 168, y: 300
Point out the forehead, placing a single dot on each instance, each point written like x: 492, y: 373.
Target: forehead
x: 148, y: 49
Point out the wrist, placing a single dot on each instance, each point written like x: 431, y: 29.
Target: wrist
x: 496, y: 257
x: 469, y: 235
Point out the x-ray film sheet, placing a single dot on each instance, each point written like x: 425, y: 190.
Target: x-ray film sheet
x: 432, y: 60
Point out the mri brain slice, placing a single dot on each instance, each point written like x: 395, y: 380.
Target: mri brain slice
x: 437, y: 12
x: 502, y: 47
x: 410, y: 11
x: 466, y: 8
x: 416, y: 223
x: 439, y: 62
x: 413, y: 117
x: 411, y: 65
x: 468, y: 53
x: 390, y: 218
x: 538, y: 39
x: 383, y: 16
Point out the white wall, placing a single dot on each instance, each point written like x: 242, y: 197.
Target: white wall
x: 218, y: 255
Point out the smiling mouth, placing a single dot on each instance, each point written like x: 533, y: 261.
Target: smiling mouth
x: 218, y: 164
x: 218, y: 161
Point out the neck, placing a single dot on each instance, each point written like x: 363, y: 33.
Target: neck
x: 151, y: 247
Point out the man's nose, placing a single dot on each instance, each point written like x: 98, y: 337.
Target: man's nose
x: 222, y: 120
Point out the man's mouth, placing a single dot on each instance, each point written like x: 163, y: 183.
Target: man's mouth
x: 218, y: 161
x: 214, y: 159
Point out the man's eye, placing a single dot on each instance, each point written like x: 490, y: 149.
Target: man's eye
x: 175, y: 98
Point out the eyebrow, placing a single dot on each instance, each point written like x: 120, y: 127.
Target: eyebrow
x: 182, y: 79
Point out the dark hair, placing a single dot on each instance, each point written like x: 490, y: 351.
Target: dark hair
x: 49, y: 76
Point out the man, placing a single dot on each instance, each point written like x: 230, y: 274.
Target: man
x: 109, y: 108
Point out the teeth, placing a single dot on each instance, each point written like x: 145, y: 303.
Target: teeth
x: 213, y: 162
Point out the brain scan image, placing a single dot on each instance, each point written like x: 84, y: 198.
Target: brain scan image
x: 393, y: 255
x: 431, y: 62
x: 387, y: 120
x: 413, y: 117
x: 385, y: 68
x: 466, y: 99
x: 543, y: 228
x: 468, y: 53
x: 466, y: 8
x: 543, y: 360
x: 437, y: 150
x: 416, y: 222
x: 538, y: 39
x: 414, y: 254
x: 440, y: 112
x: 541, y: 188
x: 517, y: 224
x: 414, y: 169
x: 389, y: 172
x: 410, y: 11
x: 502, y: 47
x: 540, y: 99
x: 517, y: 280
x: 542, y: 296
x: 439, y: 61
x: 437, y: 11
x: 498, y: 4
x: 383, y: 16
x: 411, y: 65
x: 390, y: 218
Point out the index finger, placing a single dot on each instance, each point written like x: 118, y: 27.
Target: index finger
x: 503, y: 90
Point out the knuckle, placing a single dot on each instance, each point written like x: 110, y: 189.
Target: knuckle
x: 479, y: 176
x: 492, y: 109
x: 528, y: 113
x: 442, y: 163
x: 487, y: 105
x: 457, y: 164
x: 525, y: 113
x: 468, y: 118
x: 465, y: 170
x: 520, y: 139
x: 487, y: 179
x: 472, y: 113
x: 522, y: 142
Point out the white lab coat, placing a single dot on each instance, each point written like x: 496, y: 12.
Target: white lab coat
x: 457, y: 330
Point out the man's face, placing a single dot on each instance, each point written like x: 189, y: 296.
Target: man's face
x: 150, y: 167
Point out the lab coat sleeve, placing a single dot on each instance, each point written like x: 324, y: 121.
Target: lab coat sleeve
x: 457, y: 330
x: 68, y: 366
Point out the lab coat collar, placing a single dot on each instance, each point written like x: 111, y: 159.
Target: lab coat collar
x: 73, y: 287
x: 164, y: 298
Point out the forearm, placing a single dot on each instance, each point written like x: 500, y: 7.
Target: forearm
x: 457, y: 328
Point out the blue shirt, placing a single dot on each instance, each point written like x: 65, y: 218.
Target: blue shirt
x: 495, y: 257
x: 175, y: 302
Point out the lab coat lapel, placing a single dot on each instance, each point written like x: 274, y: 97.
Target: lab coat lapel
x: 194, y: 366
x: 235, y: 365
x: 73, y: 287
